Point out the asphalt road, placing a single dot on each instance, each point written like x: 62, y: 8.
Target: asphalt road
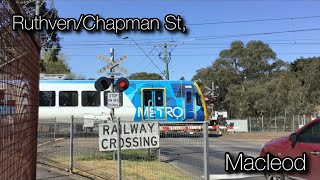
x: 187, y: 155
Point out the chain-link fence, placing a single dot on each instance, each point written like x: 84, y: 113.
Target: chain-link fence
x: 19, y: 82
x: 181, y: 152
x: 52, y: 139
x: 288, y: 123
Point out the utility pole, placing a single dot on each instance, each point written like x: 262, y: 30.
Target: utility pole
x: 37, y: 8
x: 212, y: 92
x: 112, y: 81
x: 113, y: 118
x: 166, y: 58
x: 166, y: 61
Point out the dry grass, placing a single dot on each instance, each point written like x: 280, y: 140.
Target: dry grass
x: 107, y: 169
x: 259, y: 135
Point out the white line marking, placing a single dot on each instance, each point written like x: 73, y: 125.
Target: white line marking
x: 233, y: 176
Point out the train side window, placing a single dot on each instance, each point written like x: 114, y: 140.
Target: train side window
x: 198, y: 98
x: 159, y: 98
x: 47, y: 98
x: 68, y: 98
x: 147, y: 95
x: 189, y: 99
x: 105, y: 97
x: 90, y: 98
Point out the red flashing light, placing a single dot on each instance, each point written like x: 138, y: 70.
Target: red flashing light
x: 122, y: 84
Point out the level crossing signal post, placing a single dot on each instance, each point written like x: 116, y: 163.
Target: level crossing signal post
x: 115, y: 100
x: 115, y: 97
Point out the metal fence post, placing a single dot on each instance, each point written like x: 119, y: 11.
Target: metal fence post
x: 292, y: 122
x: 285, y: 120
x: 275, y: 123
x: 250, y: 123
x: 71, y: 145
x: 262, y: 123
x: 205, y: 151
x: 119, y: 149
x: 54, y: 129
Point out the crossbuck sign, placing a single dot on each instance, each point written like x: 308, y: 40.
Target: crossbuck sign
x: 112, y: 64
x: 133, y: 135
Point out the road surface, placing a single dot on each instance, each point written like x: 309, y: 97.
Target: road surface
x: 187, y: 154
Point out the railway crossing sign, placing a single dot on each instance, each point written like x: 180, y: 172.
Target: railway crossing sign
x: 112, y: 64
x: 134, y: 135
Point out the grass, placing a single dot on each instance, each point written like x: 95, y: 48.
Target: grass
x: 136, y: 164
x: 130, y: 155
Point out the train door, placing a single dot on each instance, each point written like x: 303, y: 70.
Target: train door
x: 189, y: 105
x: 153, y: 104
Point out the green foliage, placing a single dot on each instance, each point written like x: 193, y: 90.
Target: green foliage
x: 252, y: 81
x: 145, y: 76
x: 58, y: 66
x: 50, y: 38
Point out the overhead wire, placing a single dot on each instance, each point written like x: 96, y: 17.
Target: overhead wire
x: 210, y: 37
x: 234, y: 22
x: 138, y: 55
x: 253, y: 20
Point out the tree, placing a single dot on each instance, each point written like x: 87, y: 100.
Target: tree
x: 54, y: 67
x: 145, y: 76
x: 253, y: 60
x: 306, y: 72
x: 240, y: 73
x: 49, y: 36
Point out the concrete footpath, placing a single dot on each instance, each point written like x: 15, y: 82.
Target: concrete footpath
x: 47, y: 173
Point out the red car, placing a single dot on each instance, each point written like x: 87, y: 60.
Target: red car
x: 304, y: 140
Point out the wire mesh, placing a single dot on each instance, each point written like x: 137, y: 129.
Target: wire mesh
x: 182, y: 146
x: 287, y: 123
x: 53, y: 143
x: 179, y: 156
x: 19, y: 82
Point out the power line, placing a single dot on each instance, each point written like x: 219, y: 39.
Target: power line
x: 234, y: 22
x: 146, y: 54
x: 254, y: 34
x: 93, y: 55
x: 148, y: 42
x: 183, y: 40
x: 204, y: 45
x: 253, y: 20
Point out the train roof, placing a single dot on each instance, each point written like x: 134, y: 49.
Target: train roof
x: 93, y: 81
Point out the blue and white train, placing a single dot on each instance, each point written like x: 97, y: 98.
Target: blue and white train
x: 171, y: 101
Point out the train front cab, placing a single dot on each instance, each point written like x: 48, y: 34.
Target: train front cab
x: 201, y: 106
x: 174, y: 104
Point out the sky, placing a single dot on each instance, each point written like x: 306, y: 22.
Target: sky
x: 212, y: 26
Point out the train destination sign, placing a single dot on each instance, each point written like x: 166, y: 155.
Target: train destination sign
x: 133, y: 135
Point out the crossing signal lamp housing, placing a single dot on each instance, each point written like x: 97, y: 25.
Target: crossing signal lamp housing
x: 122, y: 84
x: 102, y: 84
